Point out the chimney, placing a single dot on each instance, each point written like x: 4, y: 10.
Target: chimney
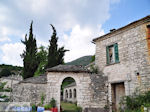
x: 111, y: 30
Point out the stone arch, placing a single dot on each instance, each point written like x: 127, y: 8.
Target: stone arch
x: 86, y: 86
x: 82, y: 80
x: 69, y: 90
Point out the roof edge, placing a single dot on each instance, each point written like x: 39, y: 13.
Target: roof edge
x: 121, y: 28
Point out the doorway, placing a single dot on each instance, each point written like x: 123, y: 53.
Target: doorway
x: 118, y: 91
x: 68, y: 95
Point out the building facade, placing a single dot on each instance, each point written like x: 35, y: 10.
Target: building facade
x: 124, y: 56
x: 70, y: 93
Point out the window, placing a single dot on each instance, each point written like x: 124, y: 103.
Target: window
x: 74, y: 93
x: 112, y: 54
x: 66, y: 94
x: 70, y: 93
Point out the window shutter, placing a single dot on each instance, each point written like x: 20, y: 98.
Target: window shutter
x: 107, y: 54
x: 116, y: 53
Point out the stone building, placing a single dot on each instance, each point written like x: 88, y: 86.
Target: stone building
x: 124, y: 56
x: 123, y: 60
x: 70, y: 93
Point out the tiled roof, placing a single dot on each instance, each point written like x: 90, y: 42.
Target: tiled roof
x: 67, y: 68
x: 42, y: 79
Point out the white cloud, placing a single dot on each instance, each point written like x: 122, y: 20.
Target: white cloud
x: 11, y: 53
x: 3, y: 39
x: 79, y: 42
x: 81, y: 18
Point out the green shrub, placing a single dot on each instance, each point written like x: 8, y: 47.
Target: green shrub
x: 53, y: 102
x: 42, y: 99
x: 34, y: 108
x: 78, y: 109
x: 135, y: 102
x: 47, y: 106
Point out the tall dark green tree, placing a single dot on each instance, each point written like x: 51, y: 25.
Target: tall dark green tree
x: 29, y: 56
x: 55, y: 54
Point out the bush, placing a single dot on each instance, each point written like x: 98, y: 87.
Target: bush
x: 34, y: 108
x: 53, y: 102
x: 42, y: 99
x: 48, y: 106
x: 135, y: 102
x: 79, y: 109
x: 5, y: 72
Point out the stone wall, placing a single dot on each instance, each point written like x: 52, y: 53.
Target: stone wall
x: 28, y: 92
x: 99, y: 90
x: 10, y: 81
x: 91, y: 88
x: 133, y: 58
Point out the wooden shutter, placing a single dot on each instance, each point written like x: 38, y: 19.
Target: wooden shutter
x: 107, y: 55
x: 116, y: 53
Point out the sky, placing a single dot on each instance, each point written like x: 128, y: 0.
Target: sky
x: 77, y: 22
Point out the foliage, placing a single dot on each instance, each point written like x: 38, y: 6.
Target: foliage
x: 94, y: 69
x: 34, y: 108
x: 10, y: 67
x: 42, y: 99
x: 47, y: 106
x: 93, y: 58
x: 5, y: 72
x: 85, y: 60
x: 42, y: 60
x: 66, y: 82
x: 55, y: 54
x: 79, y: 109
x: 53, y: 102
x: 2, y: 89
x: 135, y: 102
x: 29, y: 56
x: 2, y: 85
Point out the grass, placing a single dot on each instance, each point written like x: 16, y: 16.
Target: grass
x: 68, y: 107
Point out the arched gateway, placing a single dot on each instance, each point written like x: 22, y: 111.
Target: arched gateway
x: 84, y: 85
x: 55, y: 77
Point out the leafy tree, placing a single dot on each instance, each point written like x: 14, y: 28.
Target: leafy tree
x: 55, y: 54
x: 10, y: 67
x: 42, y: 59
x: 29, y: 56
x: 42, y: 54
x: 5, y: 72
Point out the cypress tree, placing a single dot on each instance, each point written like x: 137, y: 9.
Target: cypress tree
x: 29, y: 56
x: 55, y: 54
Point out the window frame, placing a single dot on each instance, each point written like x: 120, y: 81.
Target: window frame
x: 115, y: 53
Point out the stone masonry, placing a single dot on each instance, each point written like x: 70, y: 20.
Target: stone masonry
x: 133, y: 68
x: 91, y: 89
x: 30, y: 90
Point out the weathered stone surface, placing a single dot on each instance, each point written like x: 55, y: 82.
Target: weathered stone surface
x: 95, y: 110
x: 133, y: 57
x: 28, y: 92
x: 91, y: 88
